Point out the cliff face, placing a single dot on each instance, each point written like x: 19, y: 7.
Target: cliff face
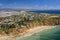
x: 18, y: 25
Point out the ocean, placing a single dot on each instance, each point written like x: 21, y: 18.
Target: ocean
x: 47, y: 11
x: 49, y: 34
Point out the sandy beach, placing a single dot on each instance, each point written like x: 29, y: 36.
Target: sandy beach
x: 29, y: 33
x: 35, y: 30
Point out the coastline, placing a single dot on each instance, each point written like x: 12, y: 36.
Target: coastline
x: 35, y: 30
x: 29, y: 33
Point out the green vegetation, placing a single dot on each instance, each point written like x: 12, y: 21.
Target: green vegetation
x: 20, y: 23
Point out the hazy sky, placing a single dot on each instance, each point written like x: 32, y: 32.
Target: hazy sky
x: 30, y: 4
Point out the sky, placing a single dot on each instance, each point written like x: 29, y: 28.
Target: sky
x: 30, y: 4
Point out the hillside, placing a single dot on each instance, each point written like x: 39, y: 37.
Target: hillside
x: 17, y: 25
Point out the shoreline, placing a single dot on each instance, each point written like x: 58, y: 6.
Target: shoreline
x: 29, y: 33
x: 35, y: 30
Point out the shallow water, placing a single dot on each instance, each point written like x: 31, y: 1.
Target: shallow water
x: 49, y: 34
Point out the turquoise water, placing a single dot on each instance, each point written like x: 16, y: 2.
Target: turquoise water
x: 50, y: 34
